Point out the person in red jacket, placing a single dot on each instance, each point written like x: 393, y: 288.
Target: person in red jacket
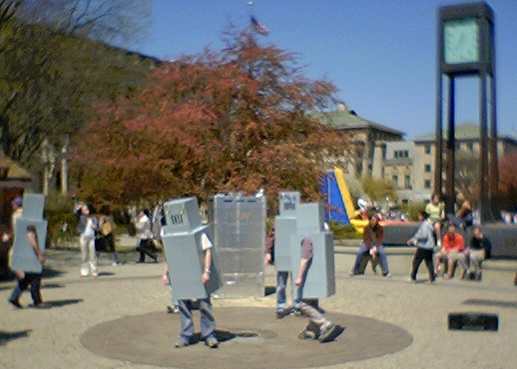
x: 453, y: 247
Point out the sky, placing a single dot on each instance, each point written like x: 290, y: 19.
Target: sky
x: 379, y: 53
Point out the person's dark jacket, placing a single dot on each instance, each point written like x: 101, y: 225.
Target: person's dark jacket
x: 482, y: 244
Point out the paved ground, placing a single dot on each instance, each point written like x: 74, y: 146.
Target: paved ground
x: 52, y: 338
x: 248, y: 344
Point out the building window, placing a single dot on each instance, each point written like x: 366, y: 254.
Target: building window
x: 428, y: 149
x: 395, y: 179
x: 470, y: 146
x: 407, y: 182
x: 396, y: 154
x: 427, y: 183
x: 428, y: 168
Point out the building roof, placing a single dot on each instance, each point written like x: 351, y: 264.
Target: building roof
x: 15, y: 171
x: 465, y: 131
x: 348, y: 119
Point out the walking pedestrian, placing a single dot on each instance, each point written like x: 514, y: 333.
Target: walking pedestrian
x: 87, y: 227
x: 145, y: 236
x: 423, y: 239
x: 106, y: 229
x: 205, y: 306
x: 319, y: 327
x: 281, y: 279
x: 25, y: 278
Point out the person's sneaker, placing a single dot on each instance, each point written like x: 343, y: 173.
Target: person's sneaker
x: 307, y: 335
x: 172, y: 309
x: 326, y: 332
x: 212, y: 342
x: 296, y: 311
x: 386, y: 275
x: 16, y: 304
x: 181, y: 344
x: 282, y: 313
x: 115, y: 263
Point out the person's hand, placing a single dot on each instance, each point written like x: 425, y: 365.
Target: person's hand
x: 298, y: 281
x: 267, y: 259
x: 205, y: 277
x: 42, y: 259
x: 409, y: 242
x: 6, y: 237
x: 19, y: 274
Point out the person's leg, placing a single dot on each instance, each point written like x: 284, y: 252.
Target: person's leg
x: 417, y: 259
x: 428, y: 257
x: 148, y: 249
x: 476, y: 257
x: 462, y: 263
x: 360, y: 253
x: 438, y: 260
x: 21, y: 285
x: 207, y: 319
x: 187, y: 324
x: 315, y: 318
x: 281, y: 285
x: 85, y: 269
x: 140, y: 249
x: 35, y: 282
x: 92, y: 256
x: 383, y: 259
x: 451, y: 259
x: 438, y: 233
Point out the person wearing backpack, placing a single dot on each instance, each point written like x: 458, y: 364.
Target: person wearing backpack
x: 106, y: 232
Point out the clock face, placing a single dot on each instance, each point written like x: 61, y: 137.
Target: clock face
x: 461, y: 41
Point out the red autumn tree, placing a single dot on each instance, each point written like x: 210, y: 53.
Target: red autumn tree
x: 508, y: 180
x: 237, y: 119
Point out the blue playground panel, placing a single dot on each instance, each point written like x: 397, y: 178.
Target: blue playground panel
x: 334, y: 207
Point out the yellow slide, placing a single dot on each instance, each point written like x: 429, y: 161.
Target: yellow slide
x: 358, y: 224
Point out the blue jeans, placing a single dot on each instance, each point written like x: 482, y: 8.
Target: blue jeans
x: 364, y: 250
x: 32, y: 279
x: 281, y: 285
x: 187, y: 323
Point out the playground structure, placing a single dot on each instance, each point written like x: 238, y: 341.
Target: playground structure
x: 339, y: 206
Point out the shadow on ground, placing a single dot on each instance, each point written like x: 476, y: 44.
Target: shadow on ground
x: 270, y: 290
x: 496, y: 303
x: 50, y: 304
x: 5, y: 337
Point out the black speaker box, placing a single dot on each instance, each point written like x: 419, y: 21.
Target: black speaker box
x: 473, y: 321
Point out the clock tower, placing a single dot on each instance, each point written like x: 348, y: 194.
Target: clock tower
x: 466, y: 47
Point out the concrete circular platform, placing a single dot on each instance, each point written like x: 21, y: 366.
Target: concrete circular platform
x: 252, y: 338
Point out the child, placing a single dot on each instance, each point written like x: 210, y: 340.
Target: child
x: 29, y: 279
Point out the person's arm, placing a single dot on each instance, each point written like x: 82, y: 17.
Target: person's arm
x: 380, y: 236
x: 31, y: 237
x: 270, y: 243
x: 418, y: 235
x: 461, y: 243
x: 301, y: 272
x: 207, y: 261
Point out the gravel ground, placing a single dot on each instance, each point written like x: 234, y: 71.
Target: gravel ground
x: 31, y: 338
